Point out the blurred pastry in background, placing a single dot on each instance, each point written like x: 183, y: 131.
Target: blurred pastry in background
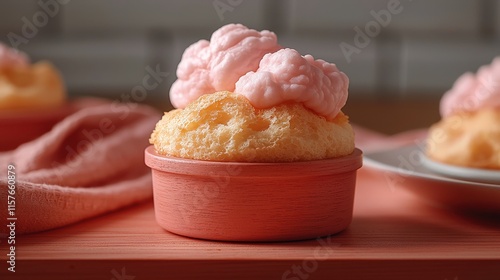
x: 32, y: 98
x: 25, y: 85
x: 469, y: 133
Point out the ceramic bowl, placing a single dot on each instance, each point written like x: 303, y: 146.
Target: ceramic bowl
x: 236, y: 201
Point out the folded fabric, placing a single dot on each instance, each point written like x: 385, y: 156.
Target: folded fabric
x: 90, y: 163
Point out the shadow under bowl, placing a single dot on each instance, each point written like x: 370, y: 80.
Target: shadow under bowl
x: 239, y: 201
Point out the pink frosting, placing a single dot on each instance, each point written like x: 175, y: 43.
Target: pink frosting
x: 207, y: 67
x: 472, y: 92
x: 252, y: 63
x: 287, y: 76
x: 11, y: 57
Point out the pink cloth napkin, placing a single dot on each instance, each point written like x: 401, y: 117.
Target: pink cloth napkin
x: 90, y: 163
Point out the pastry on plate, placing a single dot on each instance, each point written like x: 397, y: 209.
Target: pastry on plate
x: 468, y: 134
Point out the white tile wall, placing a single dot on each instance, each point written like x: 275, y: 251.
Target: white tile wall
x: 410, y: 16
x: 324, y: 14
x: 389, y: 71
x: 112, y: 15
x: 434, y: 65
x: 105, y: 45
x: 361, y: 68
x: 12, y: 13
x: 96, y: 64
x: 451, y: 16
x: 497, y: 18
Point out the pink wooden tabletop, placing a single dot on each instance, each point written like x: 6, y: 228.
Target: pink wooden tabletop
x: 393, y: 235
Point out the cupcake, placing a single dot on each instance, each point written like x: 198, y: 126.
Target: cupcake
x: 242, y: 97
x: 468, y: 134
x: 258, y: 148
x: 25, y: 86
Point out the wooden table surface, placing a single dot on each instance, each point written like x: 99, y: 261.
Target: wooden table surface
x: 393, y: 235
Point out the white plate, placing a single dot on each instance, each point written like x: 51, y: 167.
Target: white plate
x: 404, y: 168
x: 462, y: 173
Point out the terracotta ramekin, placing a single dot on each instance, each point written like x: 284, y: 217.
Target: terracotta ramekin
x: 236, y: 201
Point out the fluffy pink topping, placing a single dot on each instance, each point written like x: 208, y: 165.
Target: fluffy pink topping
x: 207, y: 67
x: 287, y: 76
x: 11, y: 57
x: 474, y: 92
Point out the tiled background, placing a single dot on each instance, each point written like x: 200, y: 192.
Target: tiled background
x: 103, y: 47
